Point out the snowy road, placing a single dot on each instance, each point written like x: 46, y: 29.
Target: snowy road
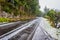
x: 43, y: 31
x: 40, y: 33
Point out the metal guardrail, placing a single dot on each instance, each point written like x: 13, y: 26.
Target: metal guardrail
x: 14, y: 32
x: 3, y: 26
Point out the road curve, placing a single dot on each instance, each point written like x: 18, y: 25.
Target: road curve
x: 30, y: 31
x: 40, y: 33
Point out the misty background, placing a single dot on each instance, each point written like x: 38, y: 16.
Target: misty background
x: 52, y: 4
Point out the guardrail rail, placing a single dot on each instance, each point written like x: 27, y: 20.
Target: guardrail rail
x: 14, y: 32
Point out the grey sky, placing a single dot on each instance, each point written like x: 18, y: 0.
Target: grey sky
x: 52, y: 4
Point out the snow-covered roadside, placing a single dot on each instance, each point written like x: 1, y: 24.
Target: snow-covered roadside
x: 52, y: 31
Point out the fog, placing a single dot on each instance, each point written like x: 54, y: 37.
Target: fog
x: 52, y: 4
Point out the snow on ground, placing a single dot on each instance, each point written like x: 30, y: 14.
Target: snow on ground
x: 55, y: 33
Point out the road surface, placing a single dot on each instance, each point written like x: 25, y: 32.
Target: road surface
x: 37, y: 30
x: 41, y: 34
